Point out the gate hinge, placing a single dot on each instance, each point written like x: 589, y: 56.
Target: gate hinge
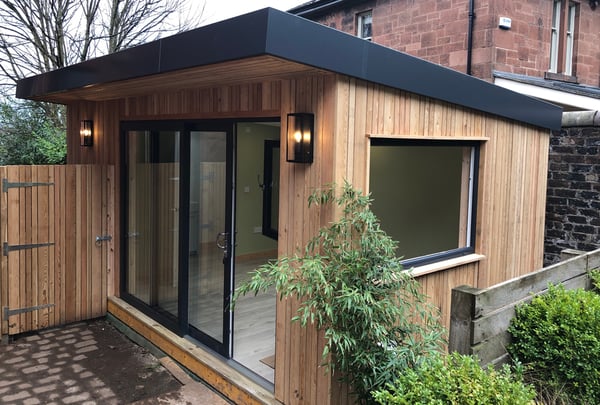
x: 7, y: 184
x: 6, y: 248
x: 10, y: 312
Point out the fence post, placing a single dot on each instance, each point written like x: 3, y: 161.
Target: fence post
x: 462, y: 312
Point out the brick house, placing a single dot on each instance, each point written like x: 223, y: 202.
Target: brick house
x: 543, y: 48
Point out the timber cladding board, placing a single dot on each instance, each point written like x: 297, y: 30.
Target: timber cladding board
x: 58, y: 208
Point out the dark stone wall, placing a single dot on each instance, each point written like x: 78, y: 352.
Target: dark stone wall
x: 573, y: 198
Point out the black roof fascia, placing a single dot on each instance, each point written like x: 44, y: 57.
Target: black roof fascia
x: 279, y: 34
x: 333, y: 50
x: 223, y: 41
x: 315, y: 9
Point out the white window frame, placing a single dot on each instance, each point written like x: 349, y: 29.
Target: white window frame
x: 362, y: 19
x: 555, y: 36
x: 566, y: 39
x: 570, y: 40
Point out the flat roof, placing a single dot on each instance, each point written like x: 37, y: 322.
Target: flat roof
x: 270, y: 32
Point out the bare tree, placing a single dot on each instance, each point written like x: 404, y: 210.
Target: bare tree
x: 37, y: 36
x: 41, y: 35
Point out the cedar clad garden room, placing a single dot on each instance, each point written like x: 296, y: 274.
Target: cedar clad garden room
x: 211, y: 180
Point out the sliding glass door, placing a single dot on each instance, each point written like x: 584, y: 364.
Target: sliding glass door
x: 152, y: 234
x: 178, y: 226
x: 200, y: 213
x: 210, y: 237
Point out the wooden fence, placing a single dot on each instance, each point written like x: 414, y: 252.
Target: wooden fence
x: 53, y: 270
x: 479, y: 318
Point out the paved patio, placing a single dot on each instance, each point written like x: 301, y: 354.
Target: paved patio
x: 92, y: 363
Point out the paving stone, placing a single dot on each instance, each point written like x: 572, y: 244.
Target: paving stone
x: 35, y: 369
x: 14, y: 360
x: 19, y: 396
x: 44, y: 388
x: 77, y: 368
x: 54, y: 370
x: 105, y: 393
x: 4, y: 383
x: 76, y: 398
x: 43, y: 353
x: 87, y: 349
x: 85, y: 343
x: 49, y: 379
x: 50, y: 346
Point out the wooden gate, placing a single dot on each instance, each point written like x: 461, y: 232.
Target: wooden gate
x: 57, y: 255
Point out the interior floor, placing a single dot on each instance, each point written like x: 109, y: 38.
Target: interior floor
x: 254, y: 326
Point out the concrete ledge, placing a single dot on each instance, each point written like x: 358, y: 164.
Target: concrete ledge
x: 581, y: 119
x: 207, y: 366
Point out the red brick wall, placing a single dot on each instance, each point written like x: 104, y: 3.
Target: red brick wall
x: 436, y: 30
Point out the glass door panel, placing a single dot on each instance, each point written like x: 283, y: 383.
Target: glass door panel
x: 209, y: 236
x: 153, y: 219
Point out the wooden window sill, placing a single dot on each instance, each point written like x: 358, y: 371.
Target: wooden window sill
x: 446, y: 264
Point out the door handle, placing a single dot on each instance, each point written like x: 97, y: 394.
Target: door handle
x: 222, y: 240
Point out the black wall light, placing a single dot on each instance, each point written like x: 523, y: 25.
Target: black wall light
x: 86, y: 132
x: 300, y: 137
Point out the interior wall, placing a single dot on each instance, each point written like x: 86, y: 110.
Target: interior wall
x: 419, y: 190
x: 249, y: 194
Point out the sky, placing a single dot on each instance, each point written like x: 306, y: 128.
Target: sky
x: 217, y: 10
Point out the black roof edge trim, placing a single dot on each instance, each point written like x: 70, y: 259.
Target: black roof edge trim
x: 289, y: 37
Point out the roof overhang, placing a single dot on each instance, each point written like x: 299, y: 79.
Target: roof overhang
x: 284, y: 44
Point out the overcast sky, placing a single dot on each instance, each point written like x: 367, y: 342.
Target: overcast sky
x: 217, y: 10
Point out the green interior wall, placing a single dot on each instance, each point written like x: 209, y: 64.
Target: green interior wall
x: 416, y: 196
x: 250, y: 167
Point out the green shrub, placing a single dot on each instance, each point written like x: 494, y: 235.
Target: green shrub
x: 557, y: 338
x: 456, y: 379
x: 352, y: 286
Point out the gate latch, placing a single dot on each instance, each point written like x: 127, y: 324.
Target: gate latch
x: 103, y: 238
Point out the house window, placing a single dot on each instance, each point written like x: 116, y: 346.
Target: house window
x: 363, y: 25
x: 424, y: 194
x: 562, y: 41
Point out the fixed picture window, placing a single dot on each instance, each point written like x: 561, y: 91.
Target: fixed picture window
x: 364, y: 25
x: 424, y: 194
x: 562, y: 42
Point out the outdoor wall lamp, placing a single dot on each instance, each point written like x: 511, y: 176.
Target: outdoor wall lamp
x: 300, y: 137
x: 86, y: 132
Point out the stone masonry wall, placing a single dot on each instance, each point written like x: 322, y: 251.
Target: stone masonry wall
x: 573, y: 198
x: 436, y: 30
